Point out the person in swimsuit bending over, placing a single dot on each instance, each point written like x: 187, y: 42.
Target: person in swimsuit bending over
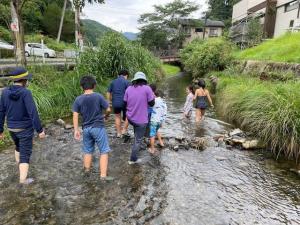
x: 201, y: 97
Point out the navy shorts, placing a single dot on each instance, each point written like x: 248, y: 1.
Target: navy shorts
x: 95, y: 136
x: 23, y: 141
x: 120, y: 110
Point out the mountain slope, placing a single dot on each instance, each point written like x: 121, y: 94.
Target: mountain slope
x: 94, y: 30
x: 130, y: 36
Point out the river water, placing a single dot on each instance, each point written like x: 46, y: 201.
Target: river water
x: 215, y: 186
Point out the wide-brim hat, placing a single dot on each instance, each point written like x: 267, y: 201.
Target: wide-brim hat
x: 139, y: 76
x: 19, y: 73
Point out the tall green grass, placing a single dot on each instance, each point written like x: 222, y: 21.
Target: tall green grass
x: 114, y: 53
x: 283, y: 49
x: 54, y: 91
x: 170, y: 70
x: 269, y: 110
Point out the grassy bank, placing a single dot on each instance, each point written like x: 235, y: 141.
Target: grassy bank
x: 170, y: 70
x: 269, y: 110
x: 283, y: 49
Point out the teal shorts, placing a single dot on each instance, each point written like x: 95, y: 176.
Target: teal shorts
x: 154, y: 127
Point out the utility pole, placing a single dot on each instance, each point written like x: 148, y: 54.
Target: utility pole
x: 61, y: 21
x: 204, y: 29
x: 298, y: 14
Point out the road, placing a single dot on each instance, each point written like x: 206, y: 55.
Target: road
x: 9, y: 63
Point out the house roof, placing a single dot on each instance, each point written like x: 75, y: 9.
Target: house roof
x: 196, y: 22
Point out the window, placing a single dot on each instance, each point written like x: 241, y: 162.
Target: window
x: 198, y: 30
x: 292, y: 23
x: 291, y: 6
x: 37, y: 46
x: 213, y: 32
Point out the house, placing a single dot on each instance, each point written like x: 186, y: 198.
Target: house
x: 200, y: 28
x: 287, y: 17
x: 276, y: 17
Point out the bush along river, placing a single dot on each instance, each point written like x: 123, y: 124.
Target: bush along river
x: 187, y: 186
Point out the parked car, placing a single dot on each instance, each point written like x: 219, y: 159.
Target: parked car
x: 36, y: 49
x: 5, y: 45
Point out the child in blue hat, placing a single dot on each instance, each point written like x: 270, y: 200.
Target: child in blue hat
x: 18, y: 107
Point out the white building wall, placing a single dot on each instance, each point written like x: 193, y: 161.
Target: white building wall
x: 283, y: 20
x: 282, y: 2
x: 252, y: 3
x: 239, y: 10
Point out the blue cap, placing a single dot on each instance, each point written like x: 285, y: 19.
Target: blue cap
x: 19, y: 73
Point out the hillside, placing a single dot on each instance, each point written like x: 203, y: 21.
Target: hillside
x: 130, y: 36
x: 94, y: 30
x: 283, y: 49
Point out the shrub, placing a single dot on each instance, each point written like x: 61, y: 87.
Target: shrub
x: 200, y: 57
x: 115, y: 53
x: 269, y: 110
x: 5, y: 34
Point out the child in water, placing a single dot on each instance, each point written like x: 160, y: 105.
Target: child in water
x: 91, y: 106
x: 188, y: 105
x: 202, y: 96
x: 158, y: 116
x: 18, y: 108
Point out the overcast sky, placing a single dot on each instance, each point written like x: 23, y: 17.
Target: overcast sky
x: 122, y: 15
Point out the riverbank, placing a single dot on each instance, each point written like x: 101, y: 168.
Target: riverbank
x: 170, y: 70
x: 268, y: 109
x: 286, y: 48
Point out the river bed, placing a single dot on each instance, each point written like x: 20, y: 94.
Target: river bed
x: 215, y: 186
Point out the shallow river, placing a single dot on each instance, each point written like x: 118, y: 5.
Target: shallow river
x: 215, y: 186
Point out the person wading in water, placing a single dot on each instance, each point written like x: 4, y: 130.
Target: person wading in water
x: 115, y: 95
x: 18, y: 106
x: 137, y: 99
x: 201, y: 97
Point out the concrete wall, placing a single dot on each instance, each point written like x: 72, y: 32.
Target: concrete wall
x: 283, y: 20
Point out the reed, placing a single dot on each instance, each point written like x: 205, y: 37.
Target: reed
x: 269, y: 110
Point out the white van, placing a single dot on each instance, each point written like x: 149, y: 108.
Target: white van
x: 36, y: 49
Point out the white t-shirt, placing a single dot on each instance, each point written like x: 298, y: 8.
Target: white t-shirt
x: 159, y: 111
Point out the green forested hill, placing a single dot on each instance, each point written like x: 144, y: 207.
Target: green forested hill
x: 94, y: 30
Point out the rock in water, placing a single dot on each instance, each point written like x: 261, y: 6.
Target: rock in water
x: 61, y: 122
x: 296, y: 171
x: 198, y: 143
x: 253, y: 144
x: 69, y: 126
x: 236, y: 132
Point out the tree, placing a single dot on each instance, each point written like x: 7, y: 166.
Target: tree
x: 221, y: 10
x: 165, y: 19
x: 16, y: 7
x: 79, y: 5
x: 51, y: 23
x: 254, y: 32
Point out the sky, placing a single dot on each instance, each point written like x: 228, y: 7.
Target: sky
x: 123, y: 15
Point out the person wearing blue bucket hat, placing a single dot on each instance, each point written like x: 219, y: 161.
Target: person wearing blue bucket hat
x: 138, y: 97
x: 18, y: 107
